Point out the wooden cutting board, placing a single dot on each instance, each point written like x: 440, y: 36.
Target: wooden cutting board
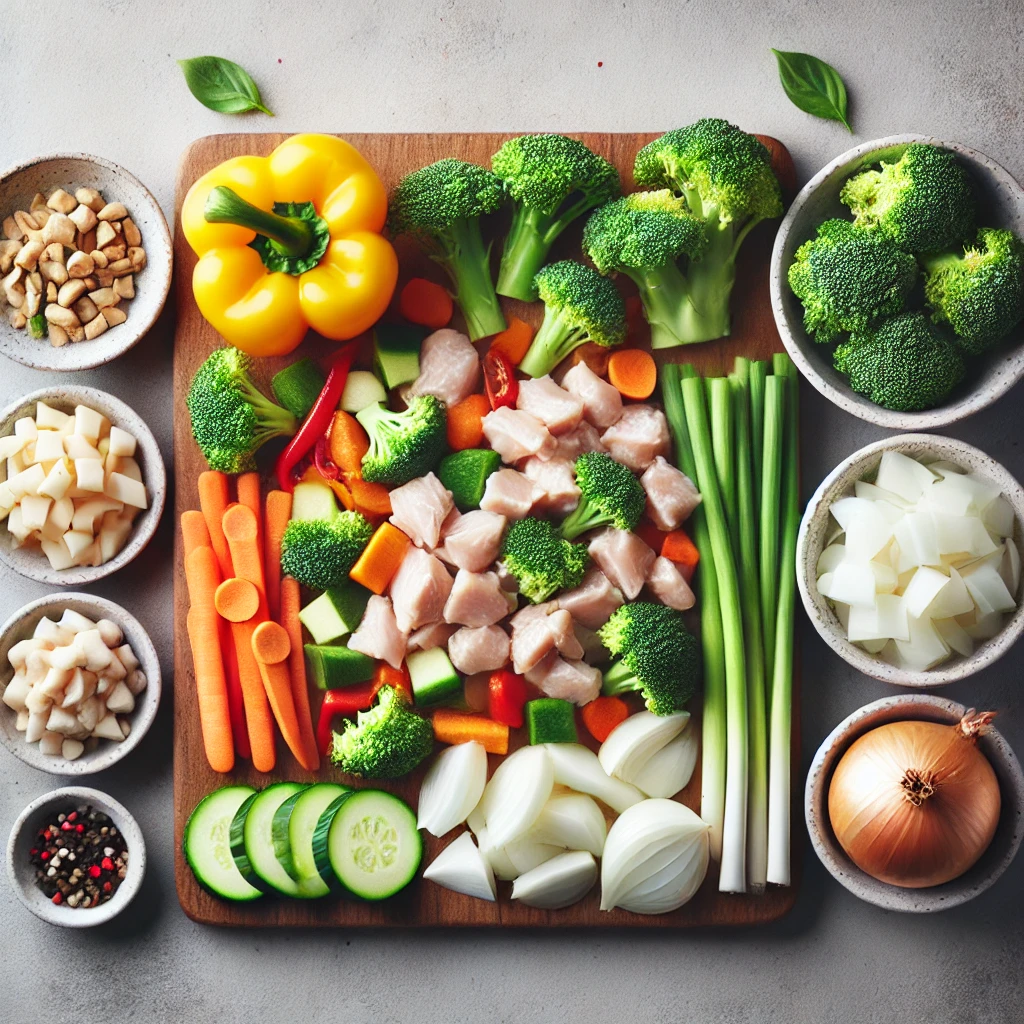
x: 423, y: 903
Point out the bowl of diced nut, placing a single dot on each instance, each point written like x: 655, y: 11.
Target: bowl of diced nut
x: 79, y: 683
x: 82, y: 485
x: 85, y: 261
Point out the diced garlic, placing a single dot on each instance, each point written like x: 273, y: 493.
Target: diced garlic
x: 25, y: 428
x: 34, y: 510
x: 76, y: 622
x: 77, y: 541
x: 50, y: 744
x: 57, y: 481
x: 127, y: 657
x: 89, y: 474
x: 110, y: 632
x: 21, y: 722
x: 108, y: 728
x: 49, y: 446
x: 120, y: 700
x: 37, y: 702
x: 15, y: 692
x: 72, y: 749
x: 57, y: 553
x: 137, y: 682
x: 36, y: 726
x: 27, y: 481
x: 78, y: 447
x: 89, y: 423
x: 123, y: 488
x: 98, y: 655
x: 52, y: 632
x: 18, y: 654
x: 54, y: 683
x: 121, y: 442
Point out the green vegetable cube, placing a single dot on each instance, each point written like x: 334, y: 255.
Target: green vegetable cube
x: 550, y: 720
x: 465, y: 474
x: 396, y: 353
x: 433, y: 677
x: 335, y: 612
x: 298, y: 386
x: 336, y: 667
x: 312, y: 500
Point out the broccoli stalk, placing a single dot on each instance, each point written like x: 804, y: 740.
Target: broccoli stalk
x: 231, y: 417
x: 552, y: 180
x: 579, y: 306
x: 541, y: 561
x: 609, y: 496
x: 441, y: 206
x: 406, y: 444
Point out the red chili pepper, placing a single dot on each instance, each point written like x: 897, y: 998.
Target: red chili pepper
x: 318, y: 420
x: 506, y: 697
x: 327, y: 469
x: 500, y: 379
x: 346, y: 701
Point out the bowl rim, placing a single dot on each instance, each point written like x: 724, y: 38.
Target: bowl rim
x: 154, y: 475
x: 844, y: 397
x: 820, y: 614
x: 70, y: 917
x: 904, y: 707
x: 143, y: 648
x: 146, y: 323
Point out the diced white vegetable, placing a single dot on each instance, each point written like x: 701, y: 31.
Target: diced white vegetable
x: 127, y: 657
x: 948, y: 496
x: 27, y: 481
x: 451, y: 788
x: 89, y: 423
x: 48, y: 418
x: 61, y: 721
x: 49, y: 446
x: 924, y: 587
x: 36, y: 725
x: 998, y: 517
x: 955, y: 636
x: 571, y: 821
x: 50, y: 744
x: 89, y: 474
x: 903, y: 476
x: 560, y: 882
x: 853, y: 584
x: 669, y: 771
x: 830, y: 558
x: 887, y: 619
x: 62, y: 511
x: 1009, y: 565
x: 874, y: 646
x: 885, y: 577
x: 953, y: 599
x: 107, y: 728
x: 97, y: 654
x: 21, y: 722
x: 111, y: 538
x: 78, y: 447
x: 89, y: 713
x: 25, y: 428
x: 11, y: 445
x: 524, y: 853
x: 15, y: 692
x: 846, y: 510
x: 986, y: 586
x: 57, y: 481
x: 54, y: 683
x: 578, y: 768
x: 462, y: 868
x: 862, y: 489
x: 124, y: 489
x: 502, y: 867
x: 89, y: 512
x: 137, y: 682
x: 967, y: 534
x: 985, y: 626
x: 516, y: 793
x: 636, y: 739
x: 76, y: 622
x: 72, y: 749
x: 120, y: 699
x: 110, y: 632
x: 121, y: 442
x: 34, y: 510
x: 925, y: 649
x: 68, y: 657
x: 57, y: 553
x: 77, y: 541
x: 867, y: 532
x: 362, y: 388
x: 23, y: 648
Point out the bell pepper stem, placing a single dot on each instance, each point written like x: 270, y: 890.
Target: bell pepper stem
x: 292, y: 235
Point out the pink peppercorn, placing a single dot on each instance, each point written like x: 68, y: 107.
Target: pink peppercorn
x: 94, y: 871
x: 107, y: 864
x: 56, y: 898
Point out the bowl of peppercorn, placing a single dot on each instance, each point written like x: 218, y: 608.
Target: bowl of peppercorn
x: 76, y: 857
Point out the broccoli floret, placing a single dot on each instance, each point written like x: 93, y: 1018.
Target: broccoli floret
x: 551, y: 181
x: 923, y: 201
x: 644, y: 235
x: 320, y: 552
x: 905, y: 364
x: 609, y: 496
x: 980, y: 294
x: 231, y: 417
x: 540, y: 560
x: 657, y: 655
x: 726, y: 177
x: 579, y: 306
x: 848, y: 279
x: 441, y: 206
x: 403, y: 445
x: 386, y: 742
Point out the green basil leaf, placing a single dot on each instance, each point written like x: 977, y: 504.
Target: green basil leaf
x: 222, y: 85
x: 813, y: 86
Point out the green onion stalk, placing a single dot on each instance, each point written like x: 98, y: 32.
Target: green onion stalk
x: 771, y: 482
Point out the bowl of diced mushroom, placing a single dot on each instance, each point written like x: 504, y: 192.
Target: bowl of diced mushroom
x: 85, y: 261
x: 80, y: 683
x: 82, y: 485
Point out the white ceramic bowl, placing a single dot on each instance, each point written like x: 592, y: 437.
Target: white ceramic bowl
x: 22, y: 874
x: 31, y: 562
x: 1000, y: 204
x: 21, y: 625
x: 815, y: 529
x: 79, y: 170
x: 993, y: 862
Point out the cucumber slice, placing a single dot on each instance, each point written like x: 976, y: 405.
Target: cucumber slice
x: 258, y: 837
x: 237, y: 840
x: 373, y: 844
x: 207, y: 843
x: 313, y: 810
x: 279, y: 832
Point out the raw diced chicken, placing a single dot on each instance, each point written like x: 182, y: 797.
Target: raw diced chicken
x: 509, y: 493
x: 671, y: 494
x: 668, y: 585
x: 559, y: 411
x: 378, y: 635
x: 515, y: 434
x: 592, y: 602
x: 426, y: 638
x: 639, y: 436
x: 449, y: 367
x: 538, y: 630
x: 480, y: 649
x: 585, y: 438
x: 575, y: 681
x: 420, y: 507
x: 624, y: 558
x: 556, y: 491
x: 474, y: 540
x: 476, y: 599
x: 419, y: 590
x: 602, y: 404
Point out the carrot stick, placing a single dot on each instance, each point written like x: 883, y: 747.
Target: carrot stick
x: 423, y: 302
x: 466, y: 422
x: 458, y: 727
x: 194, y: 533
x: 602, y: 715
x: 248, y: 487
x: 278, y: 512
x: 514, y: 341
x: 241, y: 530
x: 380, y: 558
x: 271, y: 647
x: 213, y: 500
x: 633, y: 372
x: 236, y: 600
x: 347, y: 442
x: 202, y: 576
x: 236, y: 700
x: 290, y: 605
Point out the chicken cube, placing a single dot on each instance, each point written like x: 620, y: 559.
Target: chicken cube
x: 585, y: 438
x: 558, y: 410
x: 473, y: 541
x: 539, y: 629
x: 509, y: 493
x: 419, y: 509
x: 592, y: 602
x: 478, y: 649
x: 671, y: 494
x: 666, y: 583
x: 378, y: 635
x: 624, y: 558
x: 602, y: 403
x: 638, y: 437
x: 572, y: 680
x: 555, y: 489
x: 515, y: 435
x: 419, y: 590
x: 426, y: 638
x: 476, y: 599
x: 449, y: 367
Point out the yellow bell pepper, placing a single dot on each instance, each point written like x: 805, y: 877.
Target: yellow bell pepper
x: 288, y: 242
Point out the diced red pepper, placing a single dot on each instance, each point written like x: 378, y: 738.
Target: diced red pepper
x: 385, y: 675
x: 507, y: 696
x: 346, y: 701
x: 500, y: 379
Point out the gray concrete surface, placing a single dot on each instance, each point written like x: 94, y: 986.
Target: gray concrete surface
x: 101, y: 77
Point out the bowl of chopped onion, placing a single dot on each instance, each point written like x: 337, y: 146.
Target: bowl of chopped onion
x: 908, y: 560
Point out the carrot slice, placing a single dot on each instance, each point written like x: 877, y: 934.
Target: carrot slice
x: 466, y: 422
x: 278, y: 512
x: 426, y: 303
x: 271, y: 647
x: 236, y: 600
x: 459, y: 727
x: 602, y: 715
x: 347, y: 442
x: 290, y: 606
x: 381, y: 558
x: 633, y: 372
x: 514, y: 341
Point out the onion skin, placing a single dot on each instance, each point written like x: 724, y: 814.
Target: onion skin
x: 915, y: 803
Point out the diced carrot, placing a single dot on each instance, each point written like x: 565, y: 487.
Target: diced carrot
x: 381, y: 558
x: 278, y: 510
x: 466, y: 422
x: 633, y: 372
x: 347, y: 442
x: 426, y: 303
x: 602, y: 714
x: 650, y: 535
x: 458, y: 727
x: 371, y: 499
x: 677, y: 547
x: 514, y: 341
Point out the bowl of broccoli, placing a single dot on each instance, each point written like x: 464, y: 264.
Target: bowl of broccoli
x: 897, y: 281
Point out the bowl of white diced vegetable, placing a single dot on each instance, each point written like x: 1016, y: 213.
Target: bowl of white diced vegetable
x: 82, y: 485
x: 79, y: 684
x: 908, y: 560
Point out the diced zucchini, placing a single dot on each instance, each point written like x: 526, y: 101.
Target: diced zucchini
x: 551, y: 720
x: 396, y: 353
x: 335, y: 667
x: 313, y: 500
x: 433, y: 677
x: 362, y: 388
x: 465, y: 474
x: 335, y: 613
x: 298, y: 386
